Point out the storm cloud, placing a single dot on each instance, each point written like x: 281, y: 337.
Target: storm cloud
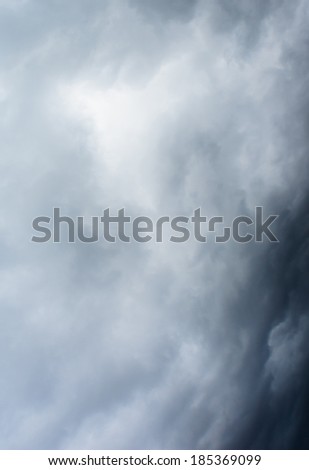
x: 158, y: 107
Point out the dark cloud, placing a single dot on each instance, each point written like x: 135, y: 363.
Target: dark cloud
x: 278, y: 358
x: 158, y: 107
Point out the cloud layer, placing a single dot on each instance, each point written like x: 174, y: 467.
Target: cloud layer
x: 158, y: 107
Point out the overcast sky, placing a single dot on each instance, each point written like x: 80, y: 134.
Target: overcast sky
x: 158, y: 107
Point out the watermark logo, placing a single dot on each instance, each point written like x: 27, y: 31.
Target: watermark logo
x: 142, y: 229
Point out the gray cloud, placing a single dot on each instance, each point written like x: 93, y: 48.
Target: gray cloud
x: 158, y: 107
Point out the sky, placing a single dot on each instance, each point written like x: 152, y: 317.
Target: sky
x: 159, y: 108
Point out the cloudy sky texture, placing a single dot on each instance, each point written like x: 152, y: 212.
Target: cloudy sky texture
x: 159, y: 107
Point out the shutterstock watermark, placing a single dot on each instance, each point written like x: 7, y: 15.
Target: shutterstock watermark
x: 142, y: 229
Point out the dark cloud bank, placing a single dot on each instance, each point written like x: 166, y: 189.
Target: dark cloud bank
x: 159, y: 107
